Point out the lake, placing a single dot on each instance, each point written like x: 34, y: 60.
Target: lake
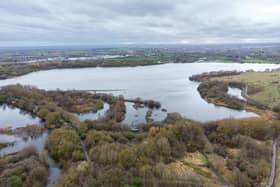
x: 166, y: 83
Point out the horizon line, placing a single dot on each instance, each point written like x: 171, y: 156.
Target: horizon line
x: 116, y: 45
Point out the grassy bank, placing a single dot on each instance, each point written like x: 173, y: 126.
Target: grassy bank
x: 263, y: 87
x: 261, y: 90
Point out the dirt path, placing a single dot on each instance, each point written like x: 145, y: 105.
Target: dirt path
x: 82, y: 143
x: 85, y: 150
x: 273, y: 162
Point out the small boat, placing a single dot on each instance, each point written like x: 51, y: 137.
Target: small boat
x: 135, y: 130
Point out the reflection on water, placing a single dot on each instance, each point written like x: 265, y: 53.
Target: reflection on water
x: 54, y: 171
x: 135, y: 116
x: 166, y: 83
x: 94, y: 115
x: 21, y: 143
x: 236, y: 92
x: 4, y: 138
x: 14, y: 117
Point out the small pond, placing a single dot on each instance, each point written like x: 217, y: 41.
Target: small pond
x: 236, y: 92
x: 12, y: 117
x: 135, y: 116
x: 94, y: 115
x: 21, y: 143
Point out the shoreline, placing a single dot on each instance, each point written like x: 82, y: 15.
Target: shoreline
x: 21, y: 69
x: 221, y: 98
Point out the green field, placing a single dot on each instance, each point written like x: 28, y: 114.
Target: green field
x: 251, y: 59
x: 4, y: 63
x: 266, y: 84
x: 258, y: 61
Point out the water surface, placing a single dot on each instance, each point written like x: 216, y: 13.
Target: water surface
x: 166, y: 83
x: 13, y: 117
x: 236, y: 92
x: 21, y: 143
x: 135, y: 116
x: 94, y: 115
x: 54, y: 171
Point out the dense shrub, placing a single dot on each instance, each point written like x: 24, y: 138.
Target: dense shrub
x: 217, y: 90
x: 63, y: 144
x: 25, y: 168
x: 208, y: 75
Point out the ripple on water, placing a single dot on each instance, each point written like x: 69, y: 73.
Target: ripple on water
x: 236, y: 92
x: 94, y: 115
x: 166, y: 83
x: 21, y: 143
x: 135, y: 116
x: 54, y: 171
x: 14, y: 117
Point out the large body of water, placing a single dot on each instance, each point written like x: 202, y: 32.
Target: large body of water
x: 166, y: 83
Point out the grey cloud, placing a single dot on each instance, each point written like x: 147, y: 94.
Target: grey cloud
x: 139, y: 7
x: 138, y: 21
x: 23, y: 8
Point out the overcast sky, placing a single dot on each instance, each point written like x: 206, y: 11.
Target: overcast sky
x: 95, y: 22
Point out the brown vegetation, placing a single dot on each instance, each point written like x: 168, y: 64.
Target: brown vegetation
x: 14, y: 70
x: 207, y: 75
x: 26, y: 168
x: 216, y: 92
x: 150, y: 156
x: 176, y: 152
x: 149, y: 103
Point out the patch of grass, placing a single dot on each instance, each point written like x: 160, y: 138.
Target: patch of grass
x: 228, y: 61
x: 217, y: 165
x: 258, y: 61
x: 5, y: 63
x: 267, y: 85
x: 192, y: 164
